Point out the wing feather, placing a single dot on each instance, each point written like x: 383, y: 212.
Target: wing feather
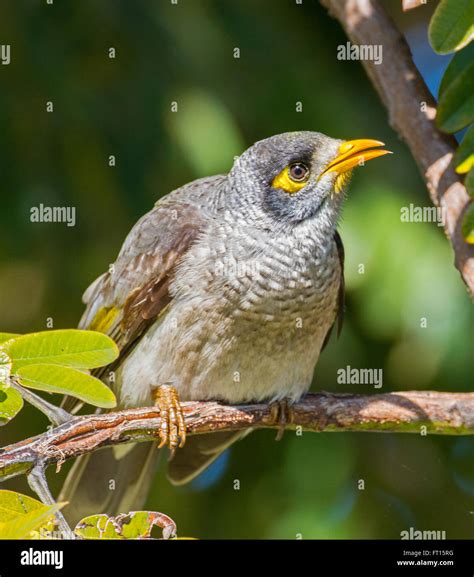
x: 341, y: 296
x: 124, y: 301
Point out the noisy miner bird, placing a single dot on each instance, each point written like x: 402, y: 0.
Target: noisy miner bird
x: 226, y: 290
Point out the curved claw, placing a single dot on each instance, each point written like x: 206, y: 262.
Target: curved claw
x: 172, y: 430
x: 281, y: 413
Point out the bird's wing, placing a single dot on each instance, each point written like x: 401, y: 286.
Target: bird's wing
x: 341, y: 297
x: 124, y: 301
x: 341, y: 292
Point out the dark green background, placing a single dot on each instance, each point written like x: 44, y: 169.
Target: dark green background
x: 303, y: 485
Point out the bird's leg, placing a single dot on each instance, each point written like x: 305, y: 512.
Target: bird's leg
x: 281, y: 412
x: 172, y: 431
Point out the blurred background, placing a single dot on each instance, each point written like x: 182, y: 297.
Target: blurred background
x: 304, y: 485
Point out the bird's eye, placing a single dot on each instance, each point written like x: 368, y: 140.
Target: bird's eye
x: 292, y: 178
x: 298, y: 171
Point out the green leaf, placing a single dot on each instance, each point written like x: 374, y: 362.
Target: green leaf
x: 452, y: 25
x: 460, y: 61
x: 22, y: 527
x: 11, y: 401
x: 74, y: 348
x: 13, y: 505
x: 5, y: 367
x: 67, y: 381
x: 456, y: 107
x: 469, y: 182
x: 20, y: 515
x: 464, y: 157
x: 467, y: 227
x: 96, y: 527
x: 135, y: 525
x: 7, y: 336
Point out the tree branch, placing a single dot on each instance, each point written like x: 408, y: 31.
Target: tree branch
x: 38, y: 483
x: 408, y: 412
x: 412, y: 111
x: 56, y: 415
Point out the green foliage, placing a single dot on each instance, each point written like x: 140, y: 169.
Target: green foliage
x: 5, y: 367
x: 70, y: 347
x: 464, y: 157
x: 452, y: 28
x: 10, y: 400
x: 49, y: 361
x: 452, y: 25
x: 408, y: 267
x: 67, y: 381
x: 468, y: 225
x: 460, y: 61
x: 7, y: 336
x: 135, y: 525
x: 456, y: 106
x: 11, y: 403
x: 469, y: 182
x: 22, y: 517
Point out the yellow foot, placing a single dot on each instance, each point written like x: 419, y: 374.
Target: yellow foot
x: 281, y: 413
x: 173, y: 429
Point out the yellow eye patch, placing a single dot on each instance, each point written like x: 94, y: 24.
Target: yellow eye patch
x: 292, y: 178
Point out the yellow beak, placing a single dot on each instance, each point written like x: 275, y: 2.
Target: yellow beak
x: 354, y: 153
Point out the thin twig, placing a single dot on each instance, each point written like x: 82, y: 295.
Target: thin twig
x: 56, y: 415
x: 412, y: 111
x: 421, y: 412
x: 38, y: 483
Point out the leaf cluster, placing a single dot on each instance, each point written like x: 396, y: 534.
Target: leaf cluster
x: 56, y: 361
x: 452, y: 30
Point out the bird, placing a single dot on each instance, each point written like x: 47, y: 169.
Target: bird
x: 226, y: 290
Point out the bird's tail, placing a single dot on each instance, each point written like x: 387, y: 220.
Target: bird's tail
x: 109, y: 481
x: 198, y: 453
x: 112, y: 482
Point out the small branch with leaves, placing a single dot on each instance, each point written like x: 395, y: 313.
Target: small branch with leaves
x: 418, y: 119
x: 421, y: 412
x: 60, y: 361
